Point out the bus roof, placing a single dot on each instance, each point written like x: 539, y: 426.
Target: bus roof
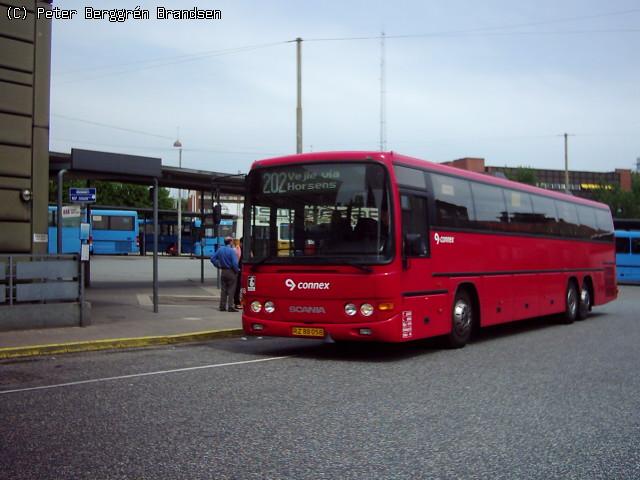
x: 391, y: 157
x: 627, y: 233
x: 119, y: 213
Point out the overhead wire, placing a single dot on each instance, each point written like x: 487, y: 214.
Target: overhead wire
x: 166, y: 61
x: 223, y: 149
x: 372, y: 143
x: 135, y: 66
x: 105, y: 125
x: 149, y: 134
x: 498, y: 27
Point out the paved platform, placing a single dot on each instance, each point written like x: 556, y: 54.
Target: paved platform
x: 122, y: 312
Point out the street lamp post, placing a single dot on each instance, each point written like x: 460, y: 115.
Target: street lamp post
x: 178, y: 145
x: 566, y: 164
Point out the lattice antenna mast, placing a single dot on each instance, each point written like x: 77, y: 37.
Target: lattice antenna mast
x: 383, y: 96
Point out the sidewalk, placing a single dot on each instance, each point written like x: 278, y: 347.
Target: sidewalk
x: 122, y: 317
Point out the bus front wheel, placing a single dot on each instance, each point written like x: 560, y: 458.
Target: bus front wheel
x: 461, y: 320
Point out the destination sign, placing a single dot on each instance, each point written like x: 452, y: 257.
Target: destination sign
x: 82, y: 195
x: 281, y: 182
x: 71, y: 211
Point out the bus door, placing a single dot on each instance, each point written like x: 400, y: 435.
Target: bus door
x: 423, y: 305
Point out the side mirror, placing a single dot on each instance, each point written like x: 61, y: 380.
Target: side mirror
x: 414, y: 245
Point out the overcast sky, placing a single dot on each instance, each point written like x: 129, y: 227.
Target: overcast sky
x: 496, y: 79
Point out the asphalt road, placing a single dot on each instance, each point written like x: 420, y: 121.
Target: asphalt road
x: 530, y: 400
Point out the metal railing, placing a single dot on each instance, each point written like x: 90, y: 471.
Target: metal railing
x: 41, y: 279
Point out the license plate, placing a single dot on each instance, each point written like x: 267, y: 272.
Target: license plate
x: 307, y: 332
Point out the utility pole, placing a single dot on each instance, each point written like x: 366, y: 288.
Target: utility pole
x: 299, y: 106
x: 566, y: 163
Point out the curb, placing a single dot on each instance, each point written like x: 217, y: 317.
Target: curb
x: 117, y: 343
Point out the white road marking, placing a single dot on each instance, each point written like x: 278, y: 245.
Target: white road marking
x: 144, y: 300
x: 146, y: 374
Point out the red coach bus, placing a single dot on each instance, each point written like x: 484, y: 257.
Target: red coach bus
x: 391, y: 248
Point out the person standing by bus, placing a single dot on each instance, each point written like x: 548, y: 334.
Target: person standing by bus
x: 226, y: 259
x: 236, y: 295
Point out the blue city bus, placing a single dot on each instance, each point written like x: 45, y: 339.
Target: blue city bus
x: 167, y: 232
x: 114, y: 232
x: 117, y: 232
x: 192, y: 233
x: 70, y: 233
x: 225, y: 229
x: 628, y: 256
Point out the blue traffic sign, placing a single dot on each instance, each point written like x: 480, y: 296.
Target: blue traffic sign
x: 82, y: 195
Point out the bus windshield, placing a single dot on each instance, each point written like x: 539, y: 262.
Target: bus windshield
x: 318, y: 213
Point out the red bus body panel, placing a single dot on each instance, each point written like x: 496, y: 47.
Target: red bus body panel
x: 514, y: 276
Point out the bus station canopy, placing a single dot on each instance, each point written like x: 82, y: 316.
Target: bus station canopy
x: 123, y: 168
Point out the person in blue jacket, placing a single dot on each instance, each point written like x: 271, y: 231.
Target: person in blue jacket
x: 226, y: 259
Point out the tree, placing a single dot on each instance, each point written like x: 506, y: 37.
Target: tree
x: 116, y: 194
x: 622, y: 204
x: 522, y: 174
x: 635, y: 184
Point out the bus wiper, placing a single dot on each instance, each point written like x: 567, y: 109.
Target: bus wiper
x: 364, y: 268
x: 327, y: 261
x: 359, y: 266
x: 255, y: 265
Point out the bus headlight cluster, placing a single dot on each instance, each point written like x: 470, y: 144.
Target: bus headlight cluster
x: 256, y: 306
x: 366, y: 309
x: 269, y: 306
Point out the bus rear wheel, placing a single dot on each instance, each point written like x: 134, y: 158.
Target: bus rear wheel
x: 572, y: 300
x: 585, y: 302
x: 461, y: 320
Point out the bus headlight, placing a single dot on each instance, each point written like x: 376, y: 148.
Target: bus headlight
x: 256, y: 306
x: 269, y: 307
x: 366, y: 309
x: 350, y: 309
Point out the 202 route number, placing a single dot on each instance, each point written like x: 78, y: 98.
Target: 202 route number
x: 273, y: 182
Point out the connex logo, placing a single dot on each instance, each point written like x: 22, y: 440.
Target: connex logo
x: 442, y: 239
x: 291, y: 285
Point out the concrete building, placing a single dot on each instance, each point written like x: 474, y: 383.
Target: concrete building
x: 25, y: 59
x: 581, y: 183
x: 231, y: 204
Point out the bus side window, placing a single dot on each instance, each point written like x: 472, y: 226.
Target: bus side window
x: 520, y: 211
x: 414, y: 225
x: 568, y: 218
x: 635, y: 246
x: 545, y: 215
x: 454, y: 204
x: 490, y: 207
